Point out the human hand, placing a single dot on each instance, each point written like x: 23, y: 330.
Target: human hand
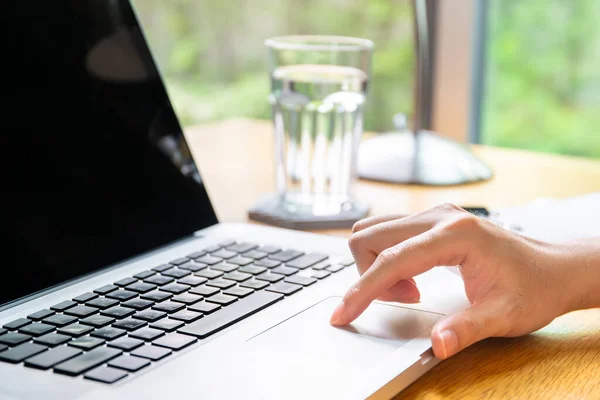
x: 515, y: 285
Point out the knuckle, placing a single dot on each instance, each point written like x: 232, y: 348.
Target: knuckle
x: 355, y: 241
x: 471, y: 326
x: 449, y: 207
x: 388, y: 255
x: 358, y: 226
x: 464, y: 222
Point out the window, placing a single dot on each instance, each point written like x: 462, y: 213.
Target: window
x: 212, y: 55
x: 542, y: 76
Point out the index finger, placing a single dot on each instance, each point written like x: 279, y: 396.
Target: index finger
x: 404, y: 260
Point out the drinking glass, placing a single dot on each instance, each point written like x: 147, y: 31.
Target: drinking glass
x: 318, y: 92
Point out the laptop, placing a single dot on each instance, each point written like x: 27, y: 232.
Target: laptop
x: 123, y: 284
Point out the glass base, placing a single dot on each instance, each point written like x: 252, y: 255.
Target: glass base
x: 296, y: 211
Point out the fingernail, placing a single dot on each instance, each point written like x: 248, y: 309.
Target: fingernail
x: 338, y: 313
x: 449, y: 342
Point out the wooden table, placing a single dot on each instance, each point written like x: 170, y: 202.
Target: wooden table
x: 561, y: 361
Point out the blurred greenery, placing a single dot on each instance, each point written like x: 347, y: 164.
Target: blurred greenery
x: 212, y: 54
x: 543, y: 76
x: 542, y: 69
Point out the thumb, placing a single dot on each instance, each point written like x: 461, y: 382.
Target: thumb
x: 460, y: 330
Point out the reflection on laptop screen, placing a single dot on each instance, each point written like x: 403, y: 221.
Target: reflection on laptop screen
x: 101, y: 171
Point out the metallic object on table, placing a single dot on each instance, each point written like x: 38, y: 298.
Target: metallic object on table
x: 418, y: 155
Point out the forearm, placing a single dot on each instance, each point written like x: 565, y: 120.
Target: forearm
x: 581, y: 263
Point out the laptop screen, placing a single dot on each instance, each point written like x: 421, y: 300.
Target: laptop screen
x: 99, y: 169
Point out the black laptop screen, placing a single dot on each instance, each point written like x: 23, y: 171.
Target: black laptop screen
x: 98, y: 168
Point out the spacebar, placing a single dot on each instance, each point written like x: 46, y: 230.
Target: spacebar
x: 231, y: 314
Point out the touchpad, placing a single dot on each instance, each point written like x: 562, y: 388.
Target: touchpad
x: 307, y: 337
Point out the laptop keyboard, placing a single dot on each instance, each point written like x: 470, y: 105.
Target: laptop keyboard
x: 119, y: 329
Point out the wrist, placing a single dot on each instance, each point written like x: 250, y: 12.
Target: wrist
x: 579, y: 273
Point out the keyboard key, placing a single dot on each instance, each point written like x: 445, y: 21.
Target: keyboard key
x: 168, y: 307
x: 176, y: 273
x: 286, y: 255
x: 140, y: 287
x: 224, y: 267
x: 126, y: 343
x: 238, y: 291
x: 21, y: 352
x: 320, y: 274
x: 156, y: 296
x: 37, y: 329
x: 52, y: 339
x: 268, y: 249
x: 175, y: 341
x: 227, y: 242
x: 192, y: 280
x: 159, y: 280
x: 118, y: 312
x: 97, y: 321
x: 166, y: 324
x: 144, y: 274
x: 50, y: 358
x: 125, y: 281
x: 193, y: 266
x: 204, y: 290
x: 284, y: 288
x: 150, y: 315
x: 102, y: 303
x: 3, y: 347
x: 346, y: 262
x: 175, y: 288
x: 322, y: 265
x: 222, y: 299
x: 108, y: 333
x: 62, y: 306
x: 40, y: 315
x: 196, y: 254
x: 14, y: 338
x: 17, y: 323
x: 307, y: 260
x: 89, y: 360
x: 204, y: 307
x: 81, y: 311
x: 239, y: 260
x: 255, y: 255
x: 212, y: 249
x: 153, y: 353
x: 237, y: 276
x: 161, y: 268
x: 122, y: 295
x: 179, y: 261
x: 287, y: 271
x: 147, y: 334
x: 84, y: 298
x: 186, y: 316
x: 105, y: 375
x: 138, y: 304
x: 106, y: 289
x: 220, y: 283
x: 209, y: 260
x: 300, y: 280
x: 129, y: 363
x: 335, y: 268
x: 209, y: 274
x: 252, y: 269
x: 75, y: 330
x: 187, y: 298
x: 267, y: 263
x: 86, y: 343
x: 242, y: 247
x: 229, y: 315
x: 269, y: 277
x: 59, y: 320
x: 224, y: 254
x: 254, y: 284
x: 130, y: 324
